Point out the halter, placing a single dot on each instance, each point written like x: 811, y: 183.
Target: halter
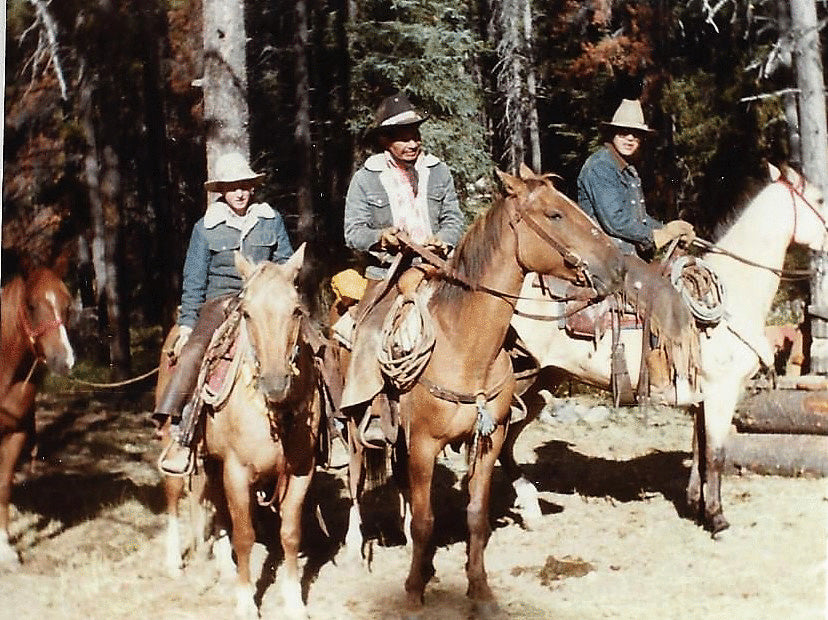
x: 800, y: 191
x: 33, y: 334
x: 516, y: 216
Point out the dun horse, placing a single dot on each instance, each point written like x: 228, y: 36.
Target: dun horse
x: 748, y: 259
x: 266, y: 428
x: 34, y: 315
x: 469, y: 377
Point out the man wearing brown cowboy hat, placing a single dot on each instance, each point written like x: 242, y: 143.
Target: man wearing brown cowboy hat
x: 233, y: 222
x: 401, y: 188
x: 398, y: 189
x: 609, y: 190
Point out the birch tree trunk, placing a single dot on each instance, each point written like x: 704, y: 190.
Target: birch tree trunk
x: 531, y: 88
x: 226, y: 114
x: 302, y: 128
x: 814, y: 138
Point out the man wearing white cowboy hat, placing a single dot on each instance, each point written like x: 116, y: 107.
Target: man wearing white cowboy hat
x: 211, y: 280
x: 609, y: 188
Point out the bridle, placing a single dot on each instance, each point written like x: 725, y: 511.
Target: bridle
x: 570, y: 257
x: 800, y: 191
x: 34, y: 334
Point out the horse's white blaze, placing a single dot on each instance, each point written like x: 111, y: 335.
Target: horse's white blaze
x: 69, y: 353
x: 172, y: 542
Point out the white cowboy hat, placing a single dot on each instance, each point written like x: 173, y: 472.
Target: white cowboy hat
x: 629, y: 116
x: 232, y: 168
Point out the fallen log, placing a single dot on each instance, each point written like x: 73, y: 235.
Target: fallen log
x: 783, y: 411
x: 777, y: 454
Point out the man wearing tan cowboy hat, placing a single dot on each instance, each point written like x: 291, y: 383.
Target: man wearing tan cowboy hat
x: 233, y: 222
x: 609, y: 188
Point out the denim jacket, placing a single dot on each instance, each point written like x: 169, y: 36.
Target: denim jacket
x: 368, y: 209
x: 209, y: 268
x: 609, y: 191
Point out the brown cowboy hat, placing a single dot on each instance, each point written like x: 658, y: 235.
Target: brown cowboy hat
x: 629, y: 115
x: 394, y: 111
x: 232, y: 168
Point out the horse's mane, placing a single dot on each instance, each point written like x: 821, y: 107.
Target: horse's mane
x: 743, y: 199
x: 473, y: 254
x: 12, y: 297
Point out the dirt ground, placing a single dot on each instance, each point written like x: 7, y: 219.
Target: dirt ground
x: 613, y: 542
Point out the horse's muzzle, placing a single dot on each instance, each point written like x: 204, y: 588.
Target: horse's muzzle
x: 275, y: 387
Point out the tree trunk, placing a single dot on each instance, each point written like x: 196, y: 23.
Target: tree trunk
x: 784, y: 411
x: 509, y: 15
x: 531, y: 88
x: 226, y: 114
x: 814, y: 137
x: 302, y: 129
x: 777, y: 455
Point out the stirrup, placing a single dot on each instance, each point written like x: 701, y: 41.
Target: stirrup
x: 373, y: 443
x: 188, y: 469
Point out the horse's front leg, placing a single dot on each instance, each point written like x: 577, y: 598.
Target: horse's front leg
x: 11, y: 445
x: 422, y: 455
x: 290, y: 510
x: 237, y: 490
x: 356, y: 483
x: 477, y: 516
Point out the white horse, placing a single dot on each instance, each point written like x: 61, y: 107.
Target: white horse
x: 748, y: 260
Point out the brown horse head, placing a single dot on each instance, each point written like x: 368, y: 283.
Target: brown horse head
x: 555, y: 236
x: 273, y: 314
x: 36, y: 311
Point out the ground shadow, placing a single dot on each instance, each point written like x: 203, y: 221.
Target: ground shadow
x: 560, y: 469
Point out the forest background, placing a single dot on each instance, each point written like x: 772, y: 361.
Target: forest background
x: 104, y: 137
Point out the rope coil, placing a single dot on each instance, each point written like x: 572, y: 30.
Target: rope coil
x: 407, y: 340
x: 700, y: 289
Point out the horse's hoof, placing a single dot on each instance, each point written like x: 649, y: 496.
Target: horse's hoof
x: 718, y: 525
x: 9, y: 559
x: 488, y: 610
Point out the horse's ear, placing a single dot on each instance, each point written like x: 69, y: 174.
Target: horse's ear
x: 294, y: 263
x: 774, y: 172
x: 61, y: 263
x: 514, y: 185
x: 525, y: 172
x: 244, y: 266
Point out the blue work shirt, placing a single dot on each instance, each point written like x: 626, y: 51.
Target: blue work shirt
x: 609, y: 191
x: 210, y: 268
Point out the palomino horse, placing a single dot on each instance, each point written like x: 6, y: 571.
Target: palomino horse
x: 748, y: 260
x: 468, y: 381
x: 34, y: 315
x: 267, y: 426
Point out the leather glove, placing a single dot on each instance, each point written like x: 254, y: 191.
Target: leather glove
x: 673, y: 230
x: 180, y: 340
x: 388, y: 239
x: 437, y: 245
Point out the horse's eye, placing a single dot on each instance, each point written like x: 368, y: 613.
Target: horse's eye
x: 297, y: 312
x: 554, y: 215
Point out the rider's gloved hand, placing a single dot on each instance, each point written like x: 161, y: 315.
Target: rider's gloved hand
x: 181, y: 339
x: 673, y: 230
x: 437, y: 245
x: 388, y: 238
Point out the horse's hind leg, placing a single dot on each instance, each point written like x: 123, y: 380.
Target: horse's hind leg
x: 11, y: 444
x: 718, y: 413
x: 694, y: 484
x: 237, y: 490
x: 356, y: 483
x: 477, y: 516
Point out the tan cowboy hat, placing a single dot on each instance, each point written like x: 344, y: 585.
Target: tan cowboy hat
x: 232, y: 168
x: 629, y: 116
x: 394, y: 111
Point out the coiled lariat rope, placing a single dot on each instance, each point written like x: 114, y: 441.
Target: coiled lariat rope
x: 406, y: 341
